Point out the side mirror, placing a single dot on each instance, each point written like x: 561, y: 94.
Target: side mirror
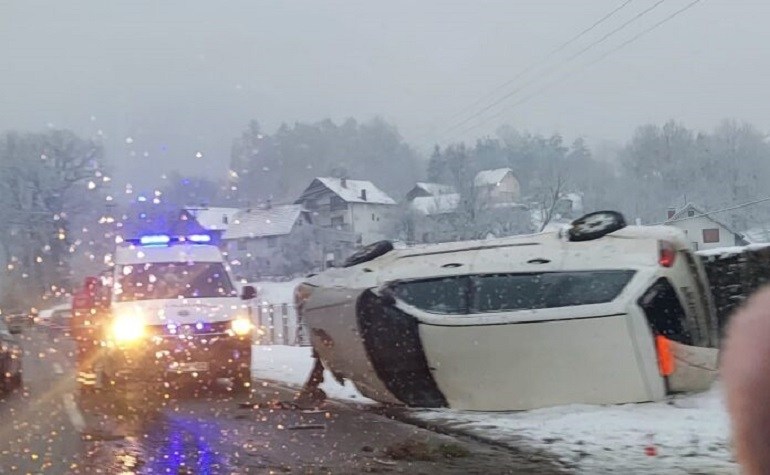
x: 248, y: 292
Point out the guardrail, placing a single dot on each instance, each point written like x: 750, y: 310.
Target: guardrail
x: 279, y: 324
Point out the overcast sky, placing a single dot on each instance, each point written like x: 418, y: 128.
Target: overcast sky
x: 185, y: 76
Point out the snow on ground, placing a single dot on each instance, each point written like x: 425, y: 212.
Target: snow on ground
x: 686, y: 434
x: 276, y: 292
x: 291, y: 365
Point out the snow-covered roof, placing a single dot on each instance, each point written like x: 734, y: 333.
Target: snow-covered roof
x: 213, y: 218
x: 491, y: 177
x: 439, y: 204
x: 435, y: 189
x: 759, y: 234
x: 273, y: 221
x: 681, y: 216
x: 352, y: 190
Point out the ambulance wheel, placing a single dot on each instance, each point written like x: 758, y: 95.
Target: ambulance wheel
x: 595, y: 225
x: 242, y: 380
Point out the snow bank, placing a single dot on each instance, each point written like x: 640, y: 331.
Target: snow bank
x: 686, y: 434
x: 276, y: 292
x: 291, y: 365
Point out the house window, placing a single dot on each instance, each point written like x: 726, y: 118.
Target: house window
x: 241, y: 244
x: 711, y: 235
x: 373, y: 218
x: 338, y: 222
x: 224, y: 219
x: 336, y: 203
x: 690, y: 213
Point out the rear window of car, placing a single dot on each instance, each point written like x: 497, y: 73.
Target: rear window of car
x: 489, y: 293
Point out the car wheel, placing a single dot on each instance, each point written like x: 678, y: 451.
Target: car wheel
x: 595, y: 225
x: 372, y: 251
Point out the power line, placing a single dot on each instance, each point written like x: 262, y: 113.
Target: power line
x: 533, y: 65
x: 731, y: 208
x: 571, y: 74
x: 556, y: 66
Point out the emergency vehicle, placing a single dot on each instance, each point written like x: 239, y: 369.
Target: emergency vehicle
x: 174, y: 310
x: 599, y: 313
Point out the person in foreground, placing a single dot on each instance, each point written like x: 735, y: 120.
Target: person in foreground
x: 746, y: 376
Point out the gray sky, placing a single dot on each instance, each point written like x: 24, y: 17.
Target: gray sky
x: 182, y: 76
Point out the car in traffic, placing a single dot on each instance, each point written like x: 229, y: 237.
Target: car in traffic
x: 174, y: 311
x: 597, y: 313
x: 56, y: 320
x: 10, y: 359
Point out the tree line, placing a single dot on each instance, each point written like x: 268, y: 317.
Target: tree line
x: 53, y: 184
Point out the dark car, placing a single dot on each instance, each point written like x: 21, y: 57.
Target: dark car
x: 10, y: 359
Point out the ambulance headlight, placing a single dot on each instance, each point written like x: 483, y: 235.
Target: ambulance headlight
x: 241, y: 326
x: 128, y: 328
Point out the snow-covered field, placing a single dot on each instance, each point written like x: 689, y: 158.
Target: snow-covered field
x: 687, y: 434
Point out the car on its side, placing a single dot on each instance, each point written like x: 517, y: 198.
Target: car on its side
x: 587, y: 314
x: 10, y: 359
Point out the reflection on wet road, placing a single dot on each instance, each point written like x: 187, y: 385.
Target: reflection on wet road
x: 190, y: 428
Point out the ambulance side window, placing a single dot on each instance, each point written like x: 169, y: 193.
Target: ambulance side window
x: 665, y: 313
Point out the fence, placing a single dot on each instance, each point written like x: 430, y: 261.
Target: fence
x: 734, y: 276
x: 279, y: 324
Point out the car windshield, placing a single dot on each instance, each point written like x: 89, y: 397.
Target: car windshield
x: 172, y: 280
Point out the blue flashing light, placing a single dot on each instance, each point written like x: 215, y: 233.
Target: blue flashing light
x: 199, y: 238
x: 156, y: 239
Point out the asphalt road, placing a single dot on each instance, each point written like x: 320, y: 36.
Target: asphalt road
x: 48, y: 427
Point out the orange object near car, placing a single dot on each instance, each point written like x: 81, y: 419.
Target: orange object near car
x: 665, y: 355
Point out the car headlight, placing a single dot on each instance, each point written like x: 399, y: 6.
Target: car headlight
x: 128, y: 328
x: 241, y: 326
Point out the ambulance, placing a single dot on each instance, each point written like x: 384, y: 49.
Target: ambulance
x: 175, y: 311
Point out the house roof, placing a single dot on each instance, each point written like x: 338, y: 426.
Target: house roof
x: 213, y: 218
x: 491, y: 177
x: 440, y: 204
x: 256, y: 223
x: 435, y: 189
x: 351, y: 192
x: 681, y: 216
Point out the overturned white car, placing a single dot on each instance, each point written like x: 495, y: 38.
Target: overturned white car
x: 516, y: 323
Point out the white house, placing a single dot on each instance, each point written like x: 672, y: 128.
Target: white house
x: 351, y: 206
x: 703, y: 230
x: 425, y: 189
x: 497, y: 186
x: 271, y: 241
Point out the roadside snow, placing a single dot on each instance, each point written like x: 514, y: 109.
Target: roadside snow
x: 291, y: 365
x: 686, y: 434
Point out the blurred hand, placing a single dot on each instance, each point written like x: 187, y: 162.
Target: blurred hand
x: 746, y: 375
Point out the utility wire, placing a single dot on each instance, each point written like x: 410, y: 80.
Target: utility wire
x: 571, y: 74
x: 731, y: 208
x: 549, y: 71
x: 533, y: 65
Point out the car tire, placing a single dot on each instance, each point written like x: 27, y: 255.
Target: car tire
x: 372, y: 251
x: 595, y: 225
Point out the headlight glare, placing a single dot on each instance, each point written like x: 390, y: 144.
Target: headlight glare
x: 241, y: 326
x: 128, y: 328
